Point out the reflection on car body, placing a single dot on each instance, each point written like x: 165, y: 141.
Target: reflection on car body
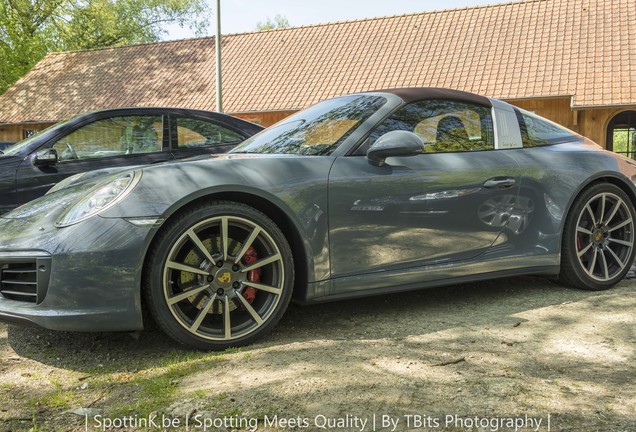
x: 510, y: 211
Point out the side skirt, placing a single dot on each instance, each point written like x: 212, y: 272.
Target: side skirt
x: 386, y: 282
x: 543, y: 271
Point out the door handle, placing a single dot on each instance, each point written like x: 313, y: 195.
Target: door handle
x: 500, y: 183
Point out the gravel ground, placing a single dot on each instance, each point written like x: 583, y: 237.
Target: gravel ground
x: 463, y: 358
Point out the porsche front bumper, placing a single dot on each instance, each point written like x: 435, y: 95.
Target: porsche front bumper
x: 86, y: 277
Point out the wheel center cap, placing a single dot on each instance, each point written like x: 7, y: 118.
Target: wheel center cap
x: 598, y: 236
x: 223, y: 277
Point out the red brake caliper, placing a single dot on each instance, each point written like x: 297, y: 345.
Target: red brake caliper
x: 250, y: 258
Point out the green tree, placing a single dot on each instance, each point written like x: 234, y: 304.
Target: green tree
x: 278, y: 22
x: 29, y: 29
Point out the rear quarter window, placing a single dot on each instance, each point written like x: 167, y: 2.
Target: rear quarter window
x: 194, y: 132
x: 537, y: 131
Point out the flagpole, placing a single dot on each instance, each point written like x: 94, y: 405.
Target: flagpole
x: 217, y: 41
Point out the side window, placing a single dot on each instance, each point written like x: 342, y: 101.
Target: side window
x: 537, y: 131
x: 115, y: 136
x: 192, y: 132
x: 443, y: 125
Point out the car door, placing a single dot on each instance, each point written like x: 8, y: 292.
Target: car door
x: 448, y: 203
x: 195, y: 135
x: 107, y: 141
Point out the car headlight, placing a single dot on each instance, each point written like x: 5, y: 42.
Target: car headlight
x: 101, y: 197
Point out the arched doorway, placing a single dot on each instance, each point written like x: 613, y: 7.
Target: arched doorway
x: 621, y: 134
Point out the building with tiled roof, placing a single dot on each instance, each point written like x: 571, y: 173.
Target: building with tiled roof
x: 570, y: 60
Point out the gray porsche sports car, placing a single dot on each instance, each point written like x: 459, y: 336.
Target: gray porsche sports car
x: 369, y: 193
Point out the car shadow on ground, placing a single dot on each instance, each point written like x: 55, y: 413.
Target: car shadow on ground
x: 388, y: 316
x: 507, y: 347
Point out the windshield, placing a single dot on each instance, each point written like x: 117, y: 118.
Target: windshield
x: 19, y: 146
x: 318, y: 130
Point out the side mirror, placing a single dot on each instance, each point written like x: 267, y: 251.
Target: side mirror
x: 46, y: 157
x: 394, y: 143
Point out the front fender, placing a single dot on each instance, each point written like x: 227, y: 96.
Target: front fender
x: 292, y: 187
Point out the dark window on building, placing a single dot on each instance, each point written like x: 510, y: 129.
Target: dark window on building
x: 621, y: 134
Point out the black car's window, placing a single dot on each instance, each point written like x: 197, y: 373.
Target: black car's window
x: 537, y: 131
x: 192, y: 132
x: 318, y: 130
x: 443, y: 126
x: 114, y: 136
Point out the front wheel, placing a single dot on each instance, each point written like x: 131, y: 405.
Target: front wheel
x: 598, y: 239
x: 219, y: 275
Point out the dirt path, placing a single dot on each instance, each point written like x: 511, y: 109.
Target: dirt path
x: 462, y: 358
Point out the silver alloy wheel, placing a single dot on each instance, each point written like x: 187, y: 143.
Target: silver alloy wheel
x: 206, y: 278
x: 604, y: 236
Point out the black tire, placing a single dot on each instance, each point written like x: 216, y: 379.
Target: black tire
x: 597, y: 248
x: 243, y: 284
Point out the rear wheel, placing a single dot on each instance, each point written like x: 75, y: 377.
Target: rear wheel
x: 218, y: 276
x: 598, y: 239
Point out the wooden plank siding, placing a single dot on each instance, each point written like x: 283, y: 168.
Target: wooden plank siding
x: 558, y: 110
x: 265, y: 118
x: 591, y: 123
x: 15, y: 132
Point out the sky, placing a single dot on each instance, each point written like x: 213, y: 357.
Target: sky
x: 238, y: 16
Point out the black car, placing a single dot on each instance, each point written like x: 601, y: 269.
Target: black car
x: 112, y: 138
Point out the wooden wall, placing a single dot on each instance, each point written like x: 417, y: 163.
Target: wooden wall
x: 264, y: 118
x: 557, y: 110
x: 15, y: 132
x: 591, y: 123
